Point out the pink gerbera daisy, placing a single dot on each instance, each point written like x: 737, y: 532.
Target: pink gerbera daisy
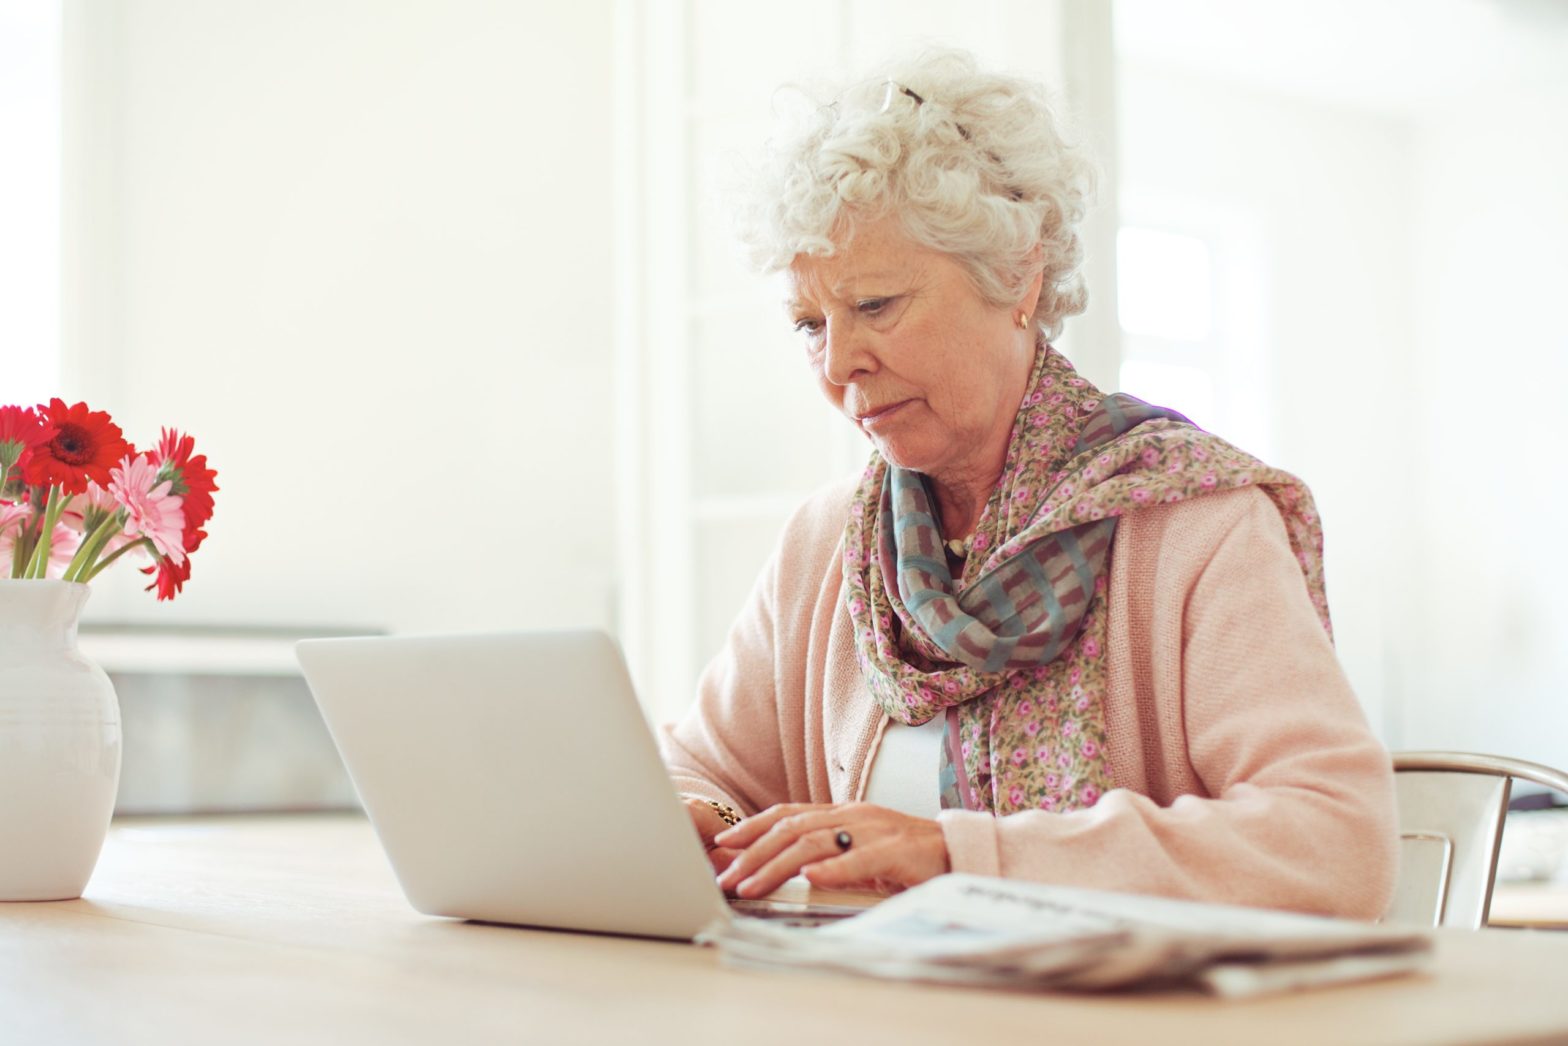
x: 151, y: 511
x: 96, y: 498
x: 62, y: 545
x: 62, y: 548
x: 86, y: 510
x: 13, y: 519
x: 11, y: 514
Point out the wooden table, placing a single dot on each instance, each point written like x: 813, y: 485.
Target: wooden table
x: 1539, y: 904
x: 242, y: 930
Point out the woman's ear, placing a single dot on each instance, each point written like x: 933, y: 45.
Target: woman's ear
x: 1031, y: 296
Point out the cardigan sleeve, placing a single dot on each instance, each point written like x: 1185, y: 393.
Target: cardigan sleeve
x: 1298, y: 811
x: 727, y: 746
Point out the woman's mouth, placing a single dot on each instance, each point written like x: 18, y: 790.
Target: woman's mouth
x: 875, y: 418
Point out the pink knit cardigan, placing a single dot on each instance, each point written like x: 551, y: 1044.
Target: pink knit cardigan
x: 1244, y: 767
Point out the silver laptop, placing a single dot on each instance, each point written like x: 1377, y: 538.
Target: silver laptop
x: 512, y: 778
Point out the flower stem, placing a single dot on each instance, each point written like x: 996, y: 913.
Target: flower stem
x: 83, y: 560
x: 26, y: 538
x: 116, y: 554
x: 39, y: 566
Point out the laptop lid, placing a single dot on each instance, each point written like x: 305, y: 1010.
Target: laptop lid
x: 511, y: 777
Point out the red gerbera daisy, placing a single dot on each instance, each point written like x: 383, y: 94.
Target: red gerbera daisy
x: 193, y: 481
x: 85, y: 446
x: 21, y: 432
x: 171, y: 576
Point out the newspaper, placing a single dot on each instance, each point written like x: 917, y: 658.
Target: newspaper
x: 980, y: 931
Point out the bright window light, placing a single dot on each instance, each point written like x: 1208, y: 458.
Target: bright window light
x: 29, y: 200
x: 1164, y: 284
x: 1187, y: 390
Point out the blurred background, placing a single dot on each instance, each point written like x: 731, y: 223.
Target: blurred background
x: 445, y: 289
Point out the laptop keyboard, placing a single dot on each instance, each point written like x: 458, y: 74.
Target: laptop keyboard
x: 792, y: 913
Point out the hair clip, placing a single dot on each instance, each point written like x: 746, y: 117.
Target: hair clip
x: 892, y: 86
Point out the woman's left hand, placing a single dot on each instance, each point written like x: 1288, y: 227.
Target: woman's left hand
x: 888, y: 851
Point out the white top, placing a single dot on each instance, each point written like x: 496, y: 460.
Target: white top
x: 904, y: 768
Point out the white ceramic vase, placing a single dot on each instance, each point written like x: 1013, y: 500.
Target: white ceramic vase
x: 59, y: 745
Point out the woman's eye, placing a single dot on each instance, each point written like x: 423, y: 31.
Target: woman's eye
x: 872, y: 306
x: 808, y: 326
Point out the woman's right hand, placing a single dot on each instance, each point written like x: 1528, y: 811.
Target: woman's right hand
x: 709, y: 824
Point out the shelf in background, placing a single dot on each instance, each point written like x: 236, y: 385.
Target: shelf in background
x: 194, y: 650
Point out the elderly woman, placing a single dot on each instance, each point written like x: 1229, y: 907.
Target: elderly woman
x: 1048, y: 633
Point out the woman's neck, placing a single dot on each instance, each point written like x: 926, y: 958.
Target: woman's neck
x: 959, y: 504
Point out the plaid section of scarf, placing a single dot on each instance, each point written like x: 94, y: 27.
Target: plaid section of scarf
x: 1011, y: 651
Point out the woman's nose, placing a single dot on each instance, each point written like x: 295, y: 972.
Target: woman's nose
x: 845, y: 355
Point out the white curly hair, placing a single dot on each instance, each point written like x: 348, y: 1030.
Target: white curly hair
x: 972, y: 163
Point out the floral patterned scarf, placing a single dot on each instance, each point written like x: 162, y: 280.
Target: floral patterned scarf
x: 1011, y: 651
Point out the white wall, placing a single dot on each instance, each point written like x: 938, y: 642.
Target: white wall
x: 29, y: 199
x: 1485, y: 654
x: 362, y: 250
x: 1410, y: 166
x: 1322, y: 189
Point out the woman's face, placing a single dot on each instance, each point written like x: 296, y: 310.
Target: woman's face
x: 902, y: 344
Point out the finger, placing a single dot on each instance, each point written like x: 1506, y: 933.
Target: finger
x: 754, y: 827
x: 889, y: 864
x: 721, y: 857
x: 807, y: 849
x: 861, y: 868
x: 705, y: 818
x: 784, y: 832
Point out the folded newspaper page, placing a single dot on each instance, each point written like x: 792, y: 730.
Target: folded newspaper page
x: 975, y: 930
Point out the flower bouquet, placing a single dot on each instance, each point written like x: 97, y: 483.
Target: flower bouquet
x: 75, y: 497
